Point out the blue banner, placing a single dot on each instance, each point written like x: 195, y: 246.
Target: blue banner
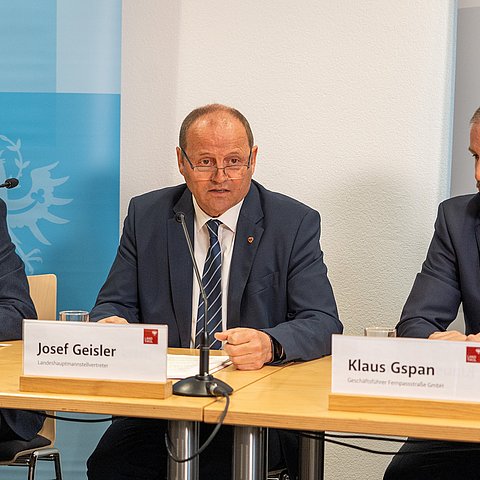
x: 60, y: 136
x: 63, y: 216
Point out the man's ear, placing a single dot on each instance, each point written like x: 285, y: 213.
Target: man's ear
x: 253, y: 158
x: 180, y: 160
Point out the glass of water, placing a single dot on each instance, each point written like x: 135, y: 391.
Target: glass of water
x: 379, y: 332
x: 74, y: 316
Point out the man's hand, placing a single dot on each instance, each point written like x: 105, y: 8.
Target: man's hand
x: 249, y: 349
x: 449, y: 335
x: 112, y: 320
x: 473, y: 337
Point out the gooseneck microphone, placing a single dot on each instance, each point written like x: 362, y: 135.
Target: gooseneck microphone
x: 10, y: 183
x: 203, y: 384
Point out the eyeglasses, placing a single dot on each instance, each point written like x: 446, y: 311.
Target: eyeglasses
x: 234, y: 167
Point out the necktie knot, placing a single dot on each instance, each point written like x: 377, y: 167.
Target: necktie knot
x: 213, y: 226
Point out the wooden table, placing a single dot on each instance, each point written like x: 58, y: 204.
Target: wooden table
x: 293, y: 397
x: 296, y: 397
x: 184, y: 412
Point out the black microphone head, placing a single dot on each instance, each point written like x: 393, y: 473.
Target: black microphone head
x: 11, y: 182
x: 180, y: 217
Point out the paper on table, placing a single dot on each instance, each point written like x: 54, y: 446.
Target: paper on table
x: 181, y: 366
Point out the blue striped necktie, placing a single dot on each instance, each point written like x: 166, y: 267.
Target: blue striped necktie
x: 212, y: 283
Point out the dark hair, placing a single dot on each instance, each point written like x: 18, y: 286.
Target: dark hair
x: 194, y: 115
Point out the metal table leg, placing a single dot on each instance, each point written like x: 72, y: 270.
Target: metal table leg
x: 184, y: 438
x: 250, y: 458
x: 311, y: 458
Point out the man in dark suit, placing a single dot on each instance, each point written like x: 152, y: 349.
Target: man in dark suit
x: 276, y: 300
x: 15, y: 305
x: 450, y: 275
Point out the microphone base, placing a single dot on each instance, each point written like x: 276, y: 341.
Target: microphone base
x: 200, y: 386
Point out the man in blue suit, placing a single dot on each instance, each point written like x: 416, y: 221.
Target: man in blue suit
x: 15, y: 305
x: 450, y: 275
x: 276, y: 301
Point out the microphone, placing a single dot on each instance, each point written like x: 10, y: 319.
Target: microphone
x: 203, y: 384
x: 10, y: 183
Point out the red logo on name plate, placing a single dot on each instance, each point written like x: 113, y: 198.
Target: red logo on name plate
x: 150, y: 336
x: 473, y: 355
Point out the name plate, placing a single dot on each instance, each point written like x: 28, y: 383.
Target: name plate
x: 134, y: 352
x: 406, y: 367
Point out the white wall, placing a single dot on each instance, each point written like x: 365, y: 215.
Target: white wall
x: 350, y: 103
x: 467, y: 96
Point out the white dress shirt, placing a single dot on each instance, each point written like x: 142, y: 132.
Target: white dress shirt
x: 201, y: 244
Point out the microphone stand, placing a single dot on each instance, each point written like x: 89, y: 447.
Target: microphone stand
x: 203, y: 384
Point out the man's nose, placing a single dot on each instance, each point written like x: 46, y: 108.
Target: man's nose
x: 220, y: 175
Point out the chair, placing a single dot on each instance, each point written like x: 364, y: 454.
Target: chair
x: 43, y: 291
x: 278, y: 475
x: 41, y: 448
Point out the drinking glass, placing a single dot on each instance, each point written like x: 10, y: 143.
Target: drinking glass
x: 74, y: 316
x: 380, y: 332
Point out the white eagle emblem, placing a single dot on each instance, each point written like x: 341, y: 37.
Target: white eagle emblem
x: 27, y: 210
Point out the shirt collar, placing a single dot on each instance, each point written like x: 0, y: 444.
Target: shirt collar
x: 228, y: 218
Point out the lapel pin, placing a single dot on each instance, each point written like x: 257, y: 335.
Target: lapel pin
x: 250, y: 240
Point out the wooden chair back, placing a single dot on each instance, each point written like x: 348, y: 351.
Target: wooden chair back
x: 43, y: 291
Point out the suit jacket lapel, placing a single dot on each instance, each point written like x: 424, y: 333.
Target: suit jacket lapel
x: 181, y: 268
x: 247, y: 238
x: 477, y: 234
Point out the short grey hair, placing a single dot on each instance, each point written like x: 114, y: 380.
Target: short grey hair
x: 194, y: 115
x: 476, y: 117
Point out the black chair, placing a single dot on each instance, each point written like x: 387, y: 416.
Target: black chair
x: 278, y: 475
x: 27, y: 453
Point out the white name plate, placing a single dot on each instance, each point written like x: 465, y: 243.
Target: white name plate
x: 406, y: 367
x: 134, y: 352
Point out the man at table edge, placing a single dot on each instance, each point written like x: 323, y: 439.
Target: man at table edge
x: 15, y: 305
x: 277, y: 303
x: 450, y: 275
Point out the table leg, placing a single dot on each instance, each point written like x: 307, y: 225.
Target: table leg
x: 312, y: 452
x: 250, y: 458
x: 184, y: 438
